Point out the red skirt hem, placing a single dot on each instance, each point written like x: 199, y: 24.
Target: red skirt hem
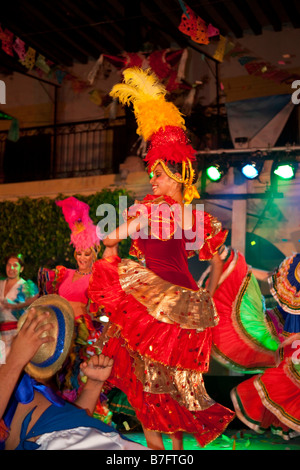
x: 231, y: 344
x: 270, y: 400
x: 137, y: 332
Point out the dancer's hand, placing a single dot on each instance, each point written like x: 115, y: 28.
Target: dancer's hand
x: 30, y: 337
x: 98, y: 368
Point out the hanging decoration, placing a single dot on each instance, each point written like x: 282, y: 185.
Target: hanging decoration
x: 29, y: 59
x: 258, y: 67
x: 13, y: 133
x: 167, y: 64
x: 220, y: 51
x: 19, y: 48
x: 41, y: 64
x: 192, y: 25
x: 60, y: 74
x: 7, y: 39
x: 195, y: 27
x: 95, y: 97
x: 33, y: 61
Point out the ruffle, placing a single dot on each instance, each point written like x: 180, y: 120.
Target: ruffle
x: 50, y: 279
x: 160, y: 212
x: 207, y: 234
x: 271, y: 400
x: 210, y: 235
x: 244, y: 339
x: 158, y: 365
x: 165, y: 343
x: 163, y: 412
x: 167, y: 302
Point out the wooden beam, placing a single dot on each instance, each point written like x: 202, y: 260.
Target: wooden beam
x: 96, y: 39
x: 54, y: 37
x: 249, y: 16
x: 269, y: 11
x: 292, y: 12
x: 228, y: 18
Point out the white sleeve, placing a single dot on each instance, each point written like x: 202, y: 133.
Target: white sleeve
x: 83, y: 438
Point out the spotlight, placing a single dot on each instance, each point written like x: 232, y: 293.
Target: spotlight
x: 216, y: 171
x: 285, y: 170
x: 250, y: 171
x: 251, y: 168
x: 213, y: 172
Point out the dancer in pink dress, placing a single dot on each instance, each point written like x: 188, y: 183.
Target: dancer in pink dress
x: 72, y: 284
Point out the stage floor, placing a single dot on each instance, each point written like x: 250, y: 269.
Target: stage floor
x: 231, y: 440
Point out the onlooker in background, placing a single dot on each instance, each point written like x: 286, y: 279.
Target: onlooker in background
x: 16, y: 294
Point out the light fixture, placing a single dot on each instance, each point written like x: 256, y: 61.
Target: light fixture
x: 252, y: 167
x: 214, y: 173
x: 250, y: 171
x: 285, y: 170
x: 217, y: 170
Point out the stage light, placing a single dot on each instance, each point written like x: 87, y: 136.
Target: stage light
x: 251, y: 168
x: 217, y: 170
x: 213, y: 172
x: 285, y: 170
x: 250, y: 171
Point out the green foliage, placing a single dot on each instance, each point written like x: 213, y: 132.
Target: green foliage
x: 37, y: 229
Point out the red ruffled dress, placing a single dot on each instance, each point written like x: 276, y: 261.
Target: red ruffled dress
x: 271, y: 400
x: 160, y: 323
x: 245, y: 339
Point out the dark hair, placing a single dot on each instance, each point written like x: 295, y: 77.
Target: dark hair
x: 16, y: 255
x: 177, y: 168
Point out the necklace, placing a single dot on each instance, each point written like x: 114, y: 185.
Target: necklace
x: 82, y: 274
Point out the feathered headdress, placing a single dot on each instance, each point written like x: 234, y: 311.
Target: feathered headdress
x: 84, y: 233
x: 160, y: 123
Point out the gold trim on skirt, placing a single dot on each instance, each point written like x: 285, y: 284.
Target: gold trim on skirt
x: 165, y: 301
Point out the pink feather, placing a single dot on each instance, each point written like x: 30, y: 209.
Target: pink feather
x: 84, y: 234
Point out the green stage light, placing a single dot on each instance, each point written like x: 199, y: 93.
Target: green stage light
x: 285, y: 171
x: 217, y: 169
x: 213, y: 172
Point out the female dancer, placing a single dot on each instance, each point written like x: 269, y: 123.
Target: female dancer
x: 271, y: 400
x: 72, y: 284
x: 15, y: 295
x: 159, y: 333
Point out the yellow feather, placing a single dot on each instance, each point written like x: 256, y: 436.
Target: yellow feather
x: 126, y: 94
x: 145, y: 81
x: 155, y: 114
x: 152, y: 112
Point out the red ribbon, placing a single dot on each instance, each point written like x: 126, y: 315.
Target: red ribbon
x: 8, y: 325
